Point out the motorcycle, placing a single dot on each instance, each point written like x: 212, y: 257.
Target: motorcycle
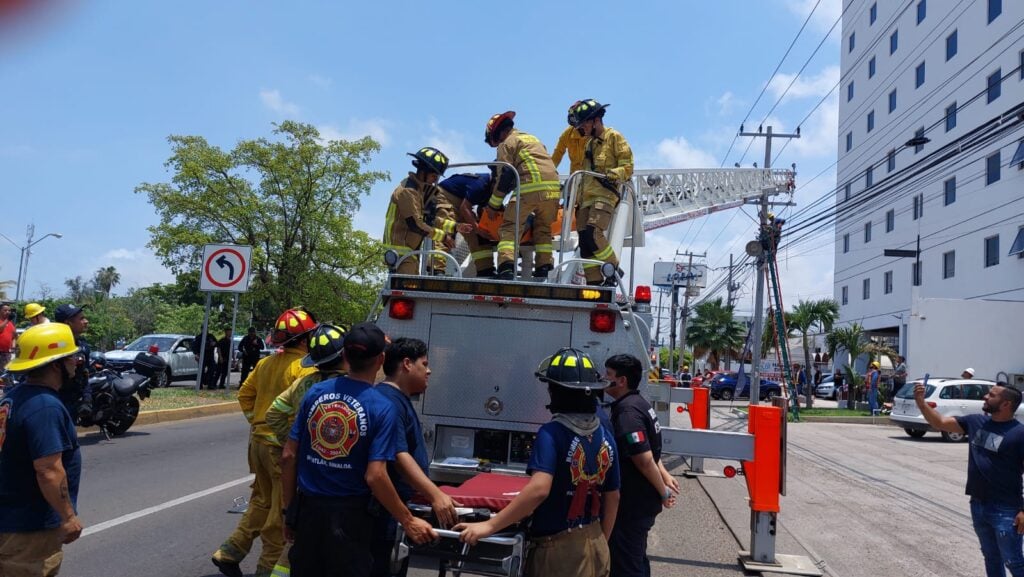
x: 116, y: 396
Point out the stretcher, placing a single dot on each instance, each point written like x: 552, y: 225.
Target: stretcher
x: 501, y: 555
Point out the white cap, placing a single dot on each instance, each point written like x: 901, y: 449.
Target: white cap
x: 969, y: 370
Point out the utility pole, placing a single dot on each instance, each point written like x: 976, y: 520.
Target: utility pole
x: 686, y: 300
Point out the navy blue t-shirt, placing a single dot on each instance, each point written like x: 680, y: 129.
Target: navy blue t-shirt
x: 33, y: 424
x: 408, y: 437
x: 995, y: 464
x: 475, y: 187
x: 582, y: 467
x: 342, y: 425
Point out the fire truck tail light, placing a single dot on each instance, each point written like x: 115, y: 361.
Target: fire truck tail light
x: 729, y: 471
x: 401, y: 309
x: 642, y: 294
x: 602, y: 321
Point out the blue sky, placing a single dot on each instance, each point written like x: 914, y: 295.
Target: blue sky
x: 93, y: 89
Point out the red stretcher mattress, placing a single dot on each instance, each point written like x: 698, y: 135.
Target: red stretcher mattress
x: 487, y: 491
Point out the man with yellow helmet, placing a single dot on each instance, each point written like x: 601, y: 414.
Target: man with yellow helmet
x: 40, y: 462
x: 34, y: 314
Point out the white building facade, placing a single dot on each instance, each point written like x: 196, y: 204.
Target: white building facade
x: 949, y: 72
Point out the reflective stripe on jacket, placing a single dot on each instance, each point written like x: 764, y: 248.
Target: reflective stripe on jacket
x: 404, y: 226
x: 610, y: 155
x: 537, y: 173
x: 269, y: 379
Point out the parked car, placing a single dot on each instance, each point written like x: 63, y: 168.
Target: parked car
x: 176, y: 350
x: 236, y: 357
x: 826, y: 389
x: 723, y: 386
x: 698, y: 379
x: 951, y: 397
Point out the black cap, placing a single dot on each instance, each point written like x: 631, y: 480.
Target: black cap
x: 365, y: 341
x: 66, y: 311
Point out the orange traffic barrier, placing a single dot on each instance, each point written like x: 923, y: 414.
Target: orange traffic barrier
x: 763, y: 473
x: 700, y: 409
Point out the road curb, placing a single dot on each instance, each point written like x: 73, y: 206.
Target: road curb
x: 169, y: 415
x: 880, y: 421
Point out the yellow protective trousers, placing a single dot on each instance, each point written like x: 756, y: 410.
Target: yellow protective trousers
x: 544, y: 207
x: 263, y: 517
x: 592, y: 224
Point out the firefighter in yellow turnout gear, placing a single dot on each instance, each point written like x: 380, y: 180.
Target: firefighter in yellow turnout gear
x: 325, y: 353
x: 271, y: 376
x: 538, y: 189
x: 571, y: 141
x: 607, y: 153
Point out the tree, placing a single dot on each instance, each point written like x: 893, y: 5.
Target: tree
x: 808, y: 317
x: 106, y: 279
x: 855, y: 343
x: 293, y: 199
x: 714, y: 332
x: 79, y: 289
x: 4, y: 285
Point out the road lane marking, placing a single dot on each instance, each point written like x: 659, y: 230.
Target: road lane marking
x: 162, y: 506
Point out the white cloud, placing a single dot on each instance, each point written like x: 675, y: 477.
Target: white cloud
x: 448, y: 141
x: 679, y: 153
x: 138, y: 267
x: 727, y: 103
x: 824, y: 16
x: 804, y: 86
x: 376, y: 128
x: 321, y: 81
x: 273, y: 100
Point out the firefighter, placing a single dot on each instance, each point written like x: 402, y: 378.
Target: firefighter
x: 405, y: 225
x: 573, y: 492
x: 271, y: 376
x: 538, y: 190
x: 608, y: 153
x: 572, y: 141
x: 325, y: 353
x: 468, y: 194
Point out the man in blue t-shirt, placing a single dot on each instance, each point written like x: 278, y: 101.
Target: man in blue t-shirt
x: 468, y: 194
x: 40, y: 463
x: 406, y: 371
x: 995, y: 474
x: 573, y: 492
x: 335, y: 459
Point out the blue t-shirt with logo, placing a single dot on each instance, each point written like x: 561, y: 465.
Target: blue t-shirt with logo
x: 342, y: 425
x: 995, y: 463
x: 583, y: 467
x: 474, y: 187
x: 33, y: 424
x: 408, y: 437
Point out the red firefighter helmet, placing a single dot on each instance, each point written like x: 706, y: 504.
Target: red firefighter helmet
x: 291, y: 325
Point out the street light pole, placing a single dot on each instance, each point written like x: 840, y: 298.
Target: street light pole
x: 26, y: 251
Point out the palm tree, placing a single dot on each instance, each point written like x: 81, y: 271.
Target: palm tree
x: 4, y: 285
x: 713, y: 331
x: 106, y: 279
x: 808, y: 317
x: 852, y: 340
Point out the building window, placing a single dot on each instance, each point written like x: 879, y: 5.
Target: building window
x: 951, y: 45
x: 846, y: 191
x: 849, y: 91
x: 849, y: 141
x: 890, y: 161
x: 867, y: 232
x: 1018, y: 156
x: 873, y: 13
x: 949, y: 264
x: 919, y: 133
x: 951, y: 117
x: 949, y: 191
x: 892, y: 100
x: 915, y: 274
x: 869, y: 177
x: 995, y: 8
x: 887, y: 282
x: 867, y: 288
x: 894, y: 41
x: 845, y: 295
x: 918, y: 206
x: 995, y: 84
x: 1020, y: 66
x: 919, y: 75
x: 922, y: 9
x: 992, y: 168
x: 890, y: 220
x: 853, y: 41
x: 871, y: 121
x: 992, y: 251
x: 871, y: 67
x: 846, y: 243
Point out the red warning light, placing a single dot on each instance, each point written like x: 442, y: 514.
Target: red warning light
x: 729, y: 471
x: 680, y: 409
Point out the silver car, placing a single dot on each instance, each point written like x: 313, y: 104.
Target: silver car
x: 175, y: 349
x: 951, y: 397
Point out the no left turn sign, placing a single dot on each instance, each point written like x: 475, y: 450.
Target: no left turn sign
x: 225, y: 268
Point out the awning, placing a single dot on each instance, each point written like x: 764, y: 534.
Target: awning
x: 1018, y: 243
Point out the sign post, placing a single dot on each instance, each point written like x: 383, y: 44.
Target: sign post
x: 225, y: 268
x: 676, y: 275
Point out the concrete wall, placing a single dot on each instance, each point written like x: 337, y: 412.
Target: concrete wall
x: 945, y: 336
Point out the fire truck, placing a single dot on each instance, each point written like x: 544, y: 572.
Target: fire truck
x: 486, y: 337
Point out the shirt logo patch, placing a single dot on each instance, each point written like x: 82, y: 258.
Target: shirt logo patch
x: 636, y: 438
x: 333, y: 430
x: 5, y: 414
x: 587, y: 485
x: 988, y: 441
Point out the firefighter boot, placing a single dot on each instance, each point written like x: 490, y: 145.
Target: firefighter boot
x: 506, y: 271
x: 542, y: 271
x: 226, y: 566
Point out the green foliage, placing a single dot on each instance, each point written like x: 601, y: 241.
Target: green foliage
x: 809, y: 317
x: 187, y: 319
x: 663, y: 356
x: 293, y: 199
x: 105, y: 279
x: 714, y: 332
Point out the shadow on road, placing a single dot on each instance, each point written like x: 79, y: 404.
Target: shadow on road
x: 97, y: 437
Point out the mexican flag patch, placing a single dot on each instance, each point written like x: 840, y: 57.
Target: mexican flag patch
x: 637, y: 437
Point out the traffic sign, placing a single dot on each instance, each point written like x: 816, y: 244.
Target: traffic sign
x: 225, y: 268
x: 669, y: 274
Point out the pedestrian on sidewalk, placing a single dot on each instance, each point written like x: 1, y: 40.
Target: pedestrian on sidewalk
x: 871, y: 383
x: 995, y: 474
x: 224, y: 360
x: 899, y: 377
x: 249, y: 349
